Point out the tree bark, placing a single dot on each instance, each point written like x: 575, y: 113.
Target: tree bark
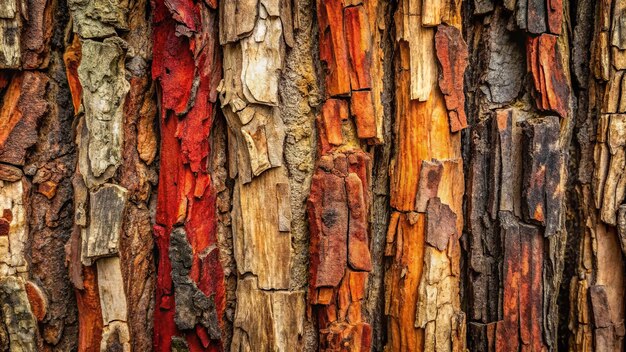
x: 422, y: 279
x: 597, y: 288
x: 312, y: 175
x: 519, y: 149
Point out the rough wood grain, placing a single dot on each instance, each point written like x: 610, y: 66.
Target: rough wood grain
x: 23, y: 106
x: 14, y: 235
x: 17, y: 317
x: 254, y: 50
x: 340, y: 198
x: 549, y: 77
x: 422, y: 283
x: 10, y: 26
x: 598, y: 288
x: 307, y: 212
x: 106, y: 210
x: 452, y: 54
x: 99, y: 18
x: 518, y: 175
x: 542, y: 182
x: 101, y: 75
x: 108, y: 78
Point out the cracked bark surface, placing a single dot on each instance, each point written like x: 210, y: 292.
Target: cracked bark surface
x: 426, y: 176
x: 519, y: 147
x: 597, y: 288
x: 190, y: 295
x: 312, y: 175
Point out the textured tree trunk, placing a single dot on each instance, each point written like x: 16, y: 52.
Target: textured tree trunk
x: 312, y: 175
x: 520, y: 99
x: 597, y: 287
x: 422, y: 279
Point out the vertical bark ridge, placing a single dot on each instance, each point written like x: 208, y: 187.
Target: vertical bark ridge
x: 369, y: 181
x: 522, y: 120
x: 597, y: 290
x: 380, y: 15
x: 351, y: 118
x: 191, y: 293
x: 255, y: 37
x: 422, y: 281
x: 110, y: 252
x: 37, y: 156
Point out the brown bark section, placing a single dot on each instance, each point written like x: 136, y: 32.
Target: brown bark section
x: 37, y: 160
x: 517, y: 174
x: 110, y: 254
x: 339, y: 203
x: 422, y: 282
x: 597, y: 290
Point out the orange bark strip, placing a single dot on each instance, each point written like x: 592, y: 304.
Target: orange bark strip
x: 338, y: 204
x: 23, y: 106
x: 72, y: 57
x: 358, y: 38
x: 555, y: 16
x: 37, y: 300
x: 328, y: 214
x: 402, y: 282
x: 507, y: 330
x: 90, y: 315
x: 452, y: 54
x: 422, y: 282
x: 358, y: 246
x: 362, y: 108
x: 339, y: 250
x: 333, y: 47
x: 544, y: 63
x: 523, y: 287
x: 334, y: 112
x: 424, y: 133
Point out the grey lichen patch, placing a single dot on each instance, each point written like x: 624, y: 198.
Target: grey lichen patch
x: 505, y: 64
x: 192, y: 305
x: 18, y: 320
x: 299, y: 89
x: 102, y: 76
x: 179, y: 344
x: 299, y: 93
x: 98, y: 18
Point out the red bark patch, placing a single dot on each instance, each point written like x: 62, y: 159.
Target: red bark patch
x: 544, y: 63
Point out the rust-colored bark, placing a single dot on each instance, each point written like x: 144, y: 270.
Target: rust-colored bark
x: 422, y: 282
x: 190, y: 299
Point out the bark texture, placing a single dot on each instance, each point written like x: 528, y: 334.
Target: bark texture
x: 519, y: 142
x: 312, y: 175
x: 597, y: 287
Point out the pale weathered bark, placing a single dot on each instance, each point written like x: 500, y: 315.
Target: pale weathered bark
x: 255, y: 36
x: 597, y: 287
x: 302, y: 175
